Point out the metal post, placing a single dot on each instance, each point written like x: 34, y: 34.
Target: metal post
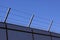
x: 30, y: 25
x: 50, y: 28
x: 6, y: 24
x: 31, y: 21
x: 7, y: 14
x: 50, y: 25
x: 32, y: 34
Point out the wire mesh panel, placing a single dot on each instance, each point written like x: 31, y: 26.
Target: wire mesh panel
x: 41, y: 37
x: 54, y: 38
x: 14, y: 35
x: 2, y: 24
x: 2, y: 34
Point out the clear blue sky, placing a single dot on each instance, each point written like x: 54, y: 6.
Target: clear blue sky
x: 44, y: 11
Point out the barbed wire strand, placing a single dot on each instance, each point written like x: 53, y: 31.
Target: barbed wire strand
x: 21, y: 11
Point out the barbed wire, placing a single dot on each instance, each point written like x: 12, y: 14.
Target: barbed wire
x: 44, y: 18
x: 39, y: 24
x: 1, y: 18
x: 22, y: 12
x: 20, y: 16
x: 17, y: 22
x: 40, y: 21
x: 25, y: 17
x: 24, y: 21
x: 28, y: 18
x: 21, y: 21
x: 16, y: 10
x: 39, y: 27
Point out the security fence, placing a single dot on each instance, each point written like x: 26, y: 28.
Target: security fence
x: 20, y: 25
x: 16, y: 32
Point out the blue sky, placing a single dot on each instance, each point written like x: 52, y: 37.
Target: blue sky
x: 22, y: 10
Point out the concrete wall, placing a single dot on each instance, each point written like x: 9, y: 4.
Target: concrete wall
x: 16, y: 32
